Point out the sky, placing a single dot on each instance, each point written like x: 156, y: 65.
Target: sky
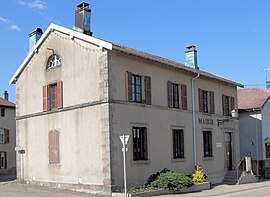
x: 232, y: 37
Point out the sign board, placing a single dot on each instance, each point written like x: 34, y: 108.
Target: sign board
x: 206, y: 121
x: 124, y: 139
x: 21, y: 151
x: 18, y: 148
x: 218, y: 144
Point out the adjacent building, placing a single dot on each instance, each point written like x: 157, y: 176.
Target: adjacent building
x: 254, y: 114
x: 76, y: 94
x: 7, y: 136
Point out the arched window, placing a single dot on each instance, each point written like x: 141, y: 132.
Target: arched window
x: 53, y: 61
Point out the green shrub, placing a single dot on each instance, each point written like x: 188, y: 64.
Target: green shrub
x: 198, y: 176
x: 153, y: 177
x: 171, y: 180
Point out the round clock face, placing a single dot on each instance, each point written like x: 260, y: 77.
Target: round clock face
x: 54, y: 61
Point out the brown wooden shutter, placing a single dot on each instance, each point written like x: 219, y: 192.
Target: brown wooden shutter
x: 170, y: 94
x: 6, y: 136
x: 45, y: 98
x: 232, y: 104
x: 184, y: 96
x: 145, y: 144
x: 57, y: 147
x: 129, y: 86
x: 50, y: 147
x: 200, y: 93
x: 59, y: 97
x: 148, y: 96
x: 212, y: 102
x: 224, y: 104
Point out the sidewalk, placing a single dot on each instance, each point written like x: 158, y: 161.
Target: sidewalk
x: 223, y: 189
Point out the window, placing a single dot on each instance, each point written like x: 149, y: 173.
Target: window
x: 139, y: 143
x: 3, y: 160
x: 54, y: 147
x: 267, y: 150
x: 175, y: 95
x: 178, y: 143
x: 4, y: 136
x: 136, y: 88
x: 207, y: 144
x: 53, y: 61
x: 52, y: 96
x: 206, y: 101
x: 3, y: 112
x: 228, y: 105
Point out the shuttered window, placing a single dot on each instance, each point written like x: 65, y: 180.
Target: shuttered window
x: 148, y: 96
x: 54, y: 147
x: 184, y: 96
x: 178, y: 143
x: 170, y: 94
x: 212, y: 102
x: 139, y: 143
x: 205, y: 101
x: 207, y: 144
x: 4, y: 136
x: 200, y: 95
x: 228, y: 105
x: 6, y: 131
x: 129, y: 86
x: 53, y: 96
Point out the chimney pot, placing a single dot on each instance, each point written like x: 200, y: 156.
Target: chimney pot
x: 5, y: 95
x: 268, y: 85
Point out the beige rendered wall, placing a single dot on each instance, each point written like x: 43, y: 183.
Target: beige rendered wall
x: 83, y: 121
x: 8, y: 122
x: 159, y: 120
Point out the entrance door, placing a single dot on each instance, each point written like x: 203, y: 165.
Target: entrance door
x: 228, y: 150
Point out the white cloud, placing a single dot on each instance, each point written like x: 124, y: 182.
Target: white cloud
x: 36, y: 4
x: 14, y: 27
x: 4, y: 20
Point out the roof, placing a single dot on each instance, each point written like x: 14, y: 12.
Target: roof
x: 252, y: 98
x: 5, y: 103
x: 111, y: 46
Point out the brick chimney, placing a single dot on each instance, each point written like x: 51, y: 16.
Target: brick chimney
x: 34, y: 37
x: 191, y: 57
x: 82, y: 19
x: 5, y: 95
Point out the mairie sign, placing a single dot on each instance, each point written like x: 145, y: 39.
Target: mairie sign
x: 206, y: 121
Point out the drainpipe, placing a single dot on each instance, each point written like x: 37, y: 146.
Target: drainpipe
x: 194, y: 120
x: 257, y: 142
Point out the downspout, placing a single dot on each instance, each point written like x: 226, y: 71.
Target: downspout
x: 257, y: 142
x: 194, y: 120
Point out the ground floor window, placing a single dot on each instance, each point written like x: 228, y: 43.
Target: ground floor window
x: 207, y: 143
x: 139, y: 143
x: 178, y: 143
x: 267, y: 150
x: 3, y: 160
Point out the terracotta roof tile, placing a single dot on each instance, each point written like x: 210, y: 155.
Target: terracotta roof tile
x: 252, y: 98
x: 5, y: 103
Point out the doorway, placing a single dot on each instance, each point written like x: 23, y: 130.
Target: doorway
x: 228, y: 150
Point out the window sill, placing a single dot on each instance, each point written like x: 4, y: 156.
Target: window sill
x: 179, y: 159
x: 208, y: 158
x: 140, y: 162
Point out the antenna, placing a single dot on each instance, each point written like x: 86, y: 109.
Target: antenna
x: 265, y: 70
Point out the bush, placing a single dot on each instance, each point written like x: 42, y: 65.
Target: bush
x: 171, y: 180
x: 198, y: 176
x: 153, y: 177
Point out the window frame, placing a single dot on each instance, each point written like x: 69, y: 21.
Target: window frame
x: 207, y: 144
x: 140, y: 144
x: 267, y: 150
x: 49, y: 61
x: 227, y: 105
x: 50, y: 99
x: 2, y: 112
x: 136, y: 89
x: 178, y: 138
x: 2, y: 133
x: 205, y: 101
x: 175, y: 96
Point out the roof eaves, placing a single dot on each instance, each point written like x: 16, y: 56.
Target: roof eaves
x: 177, y: 66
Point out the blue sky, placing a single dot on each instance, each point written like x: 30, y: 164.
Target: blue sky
x: 232, y: 37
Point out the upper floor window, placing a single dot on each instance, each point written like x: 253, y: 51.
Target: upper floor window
x: 53, y: 61
x: 134, y: 88
x: 174, y: 95
x: 228, y: 105
x: 206, y: 101
x: 52, y: 96
x: 4, y: 136
x: 2, y: 112
x: 139, y: 143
